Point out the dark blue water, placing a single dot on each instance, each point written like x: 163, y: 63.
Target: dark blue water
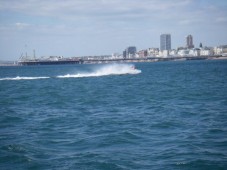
x: 172, y: 115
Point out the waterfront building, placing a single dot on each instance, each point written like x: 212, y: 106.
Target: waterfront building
x: 221, y: 50
x: 164, y: 53
x: 165, y: 42
x: 189, y: 42
x: 173, y: 52
x: 124, y: 54
x: 189, y: 52
x: 194, y: 52
x: 129, y: 52
x: 153, y: 52
x: 183, y: 52
x: 142, y: 53
x: 206, y: 51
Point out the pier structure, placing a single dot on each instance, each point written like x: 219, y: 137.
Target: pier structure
x: 109, y: 59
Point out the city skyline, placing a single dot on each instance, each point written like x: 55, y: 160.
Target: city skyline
x: 80, y: 28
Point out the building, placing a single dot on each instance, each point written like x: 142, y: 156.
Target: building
x: 206, y: 51
x: 221, y: 50
x: 165, y: 42
x: 194, y: 52
x: 183, y: 52
x: 173, y: 52
x: 189, y: 52
x: 124, y: 54
x: 153, y: 52
x: 164, y: 53
x: 129, y: 52
x: 189, y: 42
x: 142, y: 53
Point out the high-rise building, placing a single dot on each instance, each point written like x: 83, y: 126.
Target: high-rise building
x: 165, y: 42
x: 189, y: 41
x: 129, y: 52
x: 124, y: 54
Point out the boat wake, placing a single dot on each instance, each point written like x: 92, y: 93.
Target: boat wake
x: 101, y: 70
x: 105, y: 70
x: 23, y: 78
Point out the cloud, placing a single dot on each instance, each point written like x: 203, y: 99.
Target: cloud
x: 100, y: 15
x: 90, y: 8
x: 21, y: 25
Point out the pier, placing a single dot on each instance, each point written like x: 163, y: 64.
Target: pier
x: 101, y: 60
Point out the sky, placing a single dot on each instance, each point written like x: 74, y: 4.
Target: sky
x: 100, y: 27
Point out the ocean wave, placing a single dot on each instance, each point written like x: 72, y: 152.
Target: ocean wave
x: 111, y: 69
x: 23, y: 78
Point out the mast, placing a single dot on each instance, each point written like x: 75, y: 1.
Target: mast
x: 26, y: 55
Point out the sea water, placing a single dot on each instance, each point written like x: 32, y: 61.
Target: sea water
x: 164, y: 115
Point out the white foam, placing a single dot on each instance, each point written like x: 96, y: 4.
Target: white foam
x: 23, y: 78
x: 101, y: 70
x: 104, y: 70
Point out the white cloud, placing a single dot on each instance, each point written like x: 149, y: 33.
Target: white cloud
x: 89, y: 8
x: 20, y: 25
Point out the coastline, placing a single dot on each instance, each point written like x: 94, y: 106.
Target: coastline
x: 103, y: 61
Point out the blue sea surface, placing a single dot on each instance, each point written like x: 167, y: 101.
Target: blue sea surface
x: 163, y: 115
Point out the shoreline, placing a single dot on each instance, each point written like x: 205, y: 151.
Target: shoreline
x: 127, y: 60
